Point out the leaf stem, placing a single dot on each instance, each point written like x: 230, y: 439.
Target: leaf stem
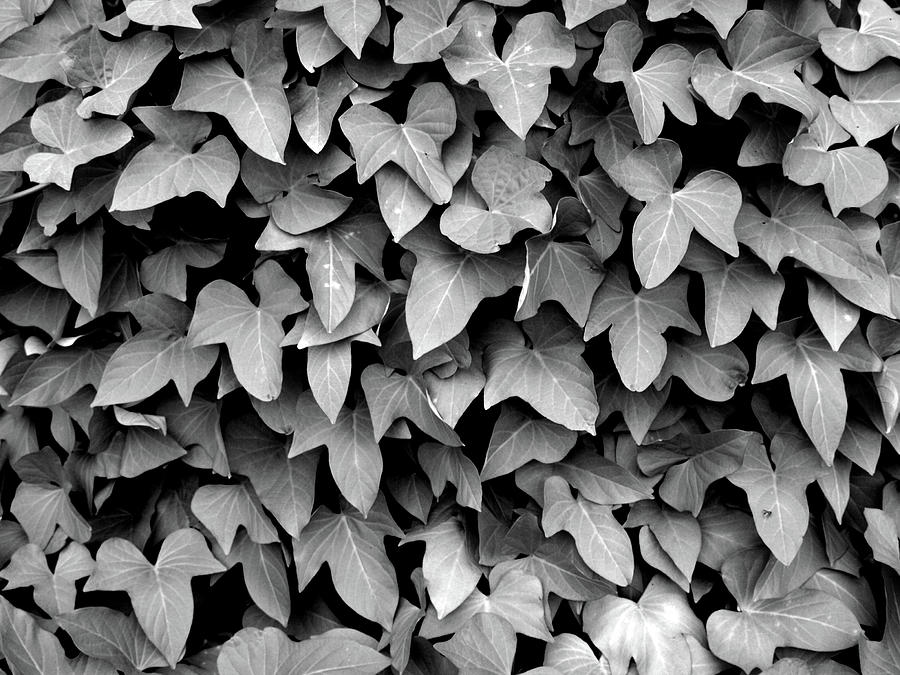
x: 23, y: 193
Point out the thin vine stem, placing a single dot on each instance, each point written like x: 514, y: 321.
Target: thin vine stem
x: 23, y: 193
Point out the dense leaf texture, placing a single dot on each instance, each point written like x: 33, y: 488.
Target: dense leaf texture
x: 503, y: 336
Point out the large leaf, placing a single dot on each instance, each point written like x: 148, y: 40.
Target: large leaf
x: 54, y: 592
x: 314, y: 108
x: 517, y: 81
x: 655, y: 631
x: 250, y: 647
x: 798, y: 226
x: 804, y: 618
x: 222, y: 509
x: 422, y: 34
x: 253, y: 334
x: 637, y: 321
x: 118, y: 69
x: 353, y: 547
x: 160, y: 592
x: 486, y: 644
x: 762, y: 55
x: 878, y: 36
x: 549, y: 375
x: 178, y: 162
x: 109, y: 635
x: 708, y: 203
x: 164, y: 12
x: 58, y: 374
x: 28, y: 648
x: 871, y: 104
x: 414, y: 145
x: 254, y: 104
x: 71, y: 141
x: 662, y: 80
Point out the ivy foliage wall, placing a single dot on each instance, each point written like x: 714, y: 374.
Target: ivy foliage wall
x: 438, y: 336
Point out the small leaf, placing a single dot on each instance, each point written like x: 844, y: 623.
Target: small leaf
x: 351, y: 20
x: 486, y: 644
x: 109, y: 635
x: 414, y: 146
x: 550, y: 375
x: 422, y: 34
x: 254, y: 104
x: 222, y: 509
x: 314, y: 108
x: 721, y: 15
x: 510, y: 186
x: 164, y: 12
x: 637, y: 322
x: 713, y: 373
x: 662, y: 80
x: 253, y: 334
x: 872, y: 104
x: 516, y: 82
x: 708, y: 203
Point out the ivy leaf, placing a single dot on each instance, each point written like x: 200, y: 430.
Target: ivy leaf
x: 568, y: 272
x: 721, y: 15
x: 762, y: 53
x: 835, y: 316
x: 549, y: 375
x: 282, y: 483
x: 517, y: 82
x: 733, y: 290
x: 54, y: 592
x: 160, y: 592
x: 252, y: 334
x: 813, y: 370
x: 222, y: 509
x: 164, y: 12
x: 145, y: 363
x: 70, y: 140
x: 449, y: 567
x: 653, y: 631
x: 486, y: 644
x: 254, y: 104
x: 708, y: 203
x: 600, y: 539
x: 35, y: 53
x: 166, y: 271
x: 518, y: 438
x: 314, y: 108
x: 777, y: 496
x: 872, y: 104
x: 353, y: 547
x: 582, y: 11
x: 333, y: 253
x: 799, y: 227
x: 353, y: 452
x: 250, y: 647
x: 26, y: 647
x: 662, y: 80
x: 510, y: 186
x: 692, y: 463
x: 392, y: 395
x: 422, y: 34
x: 293, y: 191
x: 637, y: 322
x: 109, y: 635
x: 515, y: 596
x: 713, y: 373
x: 351, y: 20
x: 670, y: 540
x: 852, y: 176
x: 58, y: 374
x: 878, y: 37
x: 414, y: 145
x: 443, y: 464
x: 179, y: 161
x: 447, y: 285
x: 118, y: 69
x: 803, y: 618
